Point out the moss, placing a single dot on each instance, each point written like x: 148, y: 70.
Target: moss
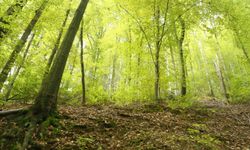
x: 51, y: 121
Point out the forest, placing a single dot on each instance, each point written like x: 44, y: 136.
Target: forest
x: 115, y: 74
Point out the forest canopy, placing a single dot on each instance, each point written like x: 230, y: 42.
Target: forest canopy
x: 151, y: 56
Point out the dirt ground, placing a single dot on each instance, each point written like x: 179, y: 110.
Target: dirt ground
x: 136, y: 127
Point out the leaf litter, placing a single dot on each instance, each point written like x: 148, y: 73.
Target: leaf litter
x: 138, y: 127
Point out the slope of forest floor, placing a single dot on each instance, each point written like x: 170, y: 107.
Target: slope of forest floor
x: 137, y: 127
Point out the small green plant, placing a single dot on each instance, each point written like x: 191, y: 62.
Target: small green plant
x: 83, y: 141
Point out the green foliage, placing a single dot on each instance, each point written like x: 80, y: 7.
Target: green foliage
x: 120, y: 46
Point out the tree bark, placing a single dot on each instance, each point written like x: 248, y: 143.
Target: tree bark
x: 82, y: 67
x: 12, y: 82
x: 182, y: 59
x: 157, y: 54
x: 9, y: 64
x: 46, y: 101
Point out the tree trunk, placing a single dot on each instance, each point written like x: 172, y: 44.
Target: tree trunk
x: 221, y: 69
x: 242, y: 46
x: 221, y: 77
x: 204, y: 58
x: 20, y: 44
x: 52, y: 55
x: 175, y: 70
x: 113, y: 74
x: 5, y: 20
x: 157, y: 55
x: 82, y: 67
x: 182, y: 59
x: 11, y: 84
x: 46, y: 101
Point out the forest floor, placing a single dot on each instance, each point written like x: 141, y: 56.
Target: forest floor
x: 132, y: 127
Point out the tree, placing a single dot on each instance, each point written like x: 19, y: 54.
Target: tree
x: 46, y: 101
x: 180, y: 40
x: 160, y: 15
x: 82, y: 66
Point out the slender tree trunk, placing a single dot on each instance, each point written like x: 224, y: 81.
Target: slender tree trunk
x: 221, y: 77
x: 20, y: 44
x: 182, y: 59
x: 242, y: 46
x: 52, y: 55
x: 6, y: 20
x: 113, y: 74
x: 12, y: 82
x: 46, y: 101
x: 191, y: 63
x: 175, y: 70
x: 96, y: 54
x: 222, y: 69
x: 129, y: 77
x: 204, y: 58
x: 82, y: 67
x: 157, y: 55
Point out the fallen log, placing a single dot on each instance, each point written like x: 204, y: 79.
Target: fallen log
x: 13, y: 112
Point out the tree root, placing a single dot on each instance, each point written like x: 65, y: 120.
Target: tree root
x: 28, y: 136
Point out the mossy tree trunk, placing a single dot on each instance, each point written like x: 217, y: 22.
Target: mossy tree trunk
x: 46, y: 101
x: 180, y: 41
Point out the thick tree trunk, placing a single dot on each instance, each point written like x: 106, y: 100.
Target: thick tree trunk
x: 46, y: 101
x: 20, y: 44
x: 82, y: 67
x: 11, y: 84
x: 57, y: 44
x: 6, y: 20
